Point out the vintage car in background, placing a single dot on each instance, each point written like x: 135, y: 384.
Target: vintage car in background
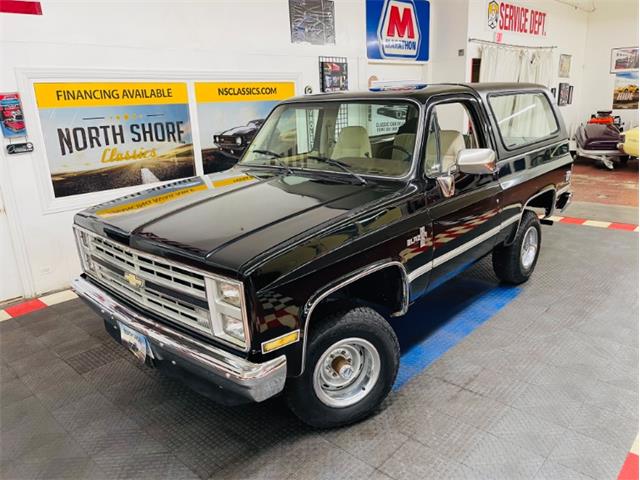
x: 280, y: 274
x: 629, y: 142
x: 235, y: 140
x: 599, y: 138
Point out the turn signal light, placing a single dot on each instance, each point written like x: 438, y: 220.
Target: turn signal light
x: 281, y: 341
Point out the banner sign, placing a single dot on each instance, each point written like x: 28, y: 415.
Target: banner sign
x: 229, y: 116
x: 509, y: 17
x: 11, y: 117
x: 102, y: 136
x: 398, y: 30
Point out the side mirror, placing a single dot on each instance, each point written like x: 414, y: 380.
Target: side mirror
x: 477, y: 161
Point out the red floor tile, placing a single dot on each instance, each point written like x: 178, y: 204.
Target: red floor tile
x: 630, y: 468
x: 576, y: 221
x: 25, y: 307
x: 623, y: 226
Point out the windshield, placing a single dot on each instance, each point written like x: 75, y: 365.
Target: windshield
x: 365, y: 138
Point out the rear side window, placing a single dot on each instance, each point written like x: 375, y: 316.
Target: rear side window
x: 523, y: 118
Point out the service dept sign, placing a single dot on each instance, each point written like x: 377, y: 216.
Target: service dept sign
x: 398, y: 30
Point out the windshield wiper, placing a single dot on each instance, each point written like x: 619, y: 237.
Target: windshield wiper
x: 276, y: 156
x: 339, y: 164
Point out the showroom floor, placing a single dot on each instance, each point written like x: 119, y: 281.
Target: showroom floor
x: 533, y: 382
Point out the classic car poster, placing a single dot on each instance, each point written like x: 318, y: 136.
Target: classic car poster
x: 312, y: 21
x: 229, y: 116
x: 624, y: 59
x: 11, y: 115
x: 625, y: 91
x: 564, y: 67
x: 334, y: 75
x: 101, y: 136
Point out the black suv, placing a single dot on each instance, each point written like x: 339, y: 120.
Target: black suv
x: 279, y: 274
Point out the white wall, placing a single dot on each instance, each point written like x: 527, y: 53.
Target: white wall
x: 566, y: 28
x: 217, y: 36
x: 614, y: 24
x: 146, y: 36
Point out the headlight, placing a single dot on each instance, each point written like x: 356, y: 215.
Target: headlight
x: 233, y: 326
x: 238, y: 140
x: 227, y: 311
x: 216, y: 139
x: 229, y: 293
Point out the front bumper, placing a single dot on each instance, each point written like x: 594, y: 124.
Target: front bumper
x: 234, y: 376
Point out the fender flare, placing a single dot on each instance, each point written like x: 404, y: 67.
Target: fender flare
x: 327, y: 290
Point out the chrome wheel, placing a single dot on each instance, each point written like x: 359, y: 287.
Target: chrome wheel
x: 529, y: 247
x: 346, y: 372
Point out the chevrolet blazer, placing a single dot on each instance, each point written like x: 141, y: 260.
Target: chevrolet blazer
x: 280, y: 274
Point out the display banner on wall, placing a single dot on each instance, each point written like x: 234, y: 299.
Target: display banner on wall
x: 516, y: 18
x: 229, y: 116
x: 102, y: 136
x: 625, y: 91
x: 398, y: 30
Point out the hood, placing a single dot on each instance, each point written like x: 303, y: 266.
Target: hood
x: 200, y: 218
x: 243, y: 130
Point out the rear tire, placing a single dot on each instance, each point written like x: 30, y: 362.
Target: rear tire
x: 515, y: 263
x: 352, y: 362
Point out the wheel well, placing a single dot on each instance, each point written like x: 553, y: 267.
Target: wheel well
x: 384, y: 290
x: 543, y: 200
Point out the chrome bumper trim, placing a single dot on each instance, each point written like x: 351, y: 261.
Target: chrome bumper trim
x: 254, y: 381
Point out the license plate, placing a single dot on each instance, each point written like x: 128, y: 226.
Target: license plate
x: 134, y: 341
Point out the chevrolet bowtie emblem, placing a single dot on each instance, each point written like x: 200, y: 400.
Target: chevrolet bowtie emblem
x: 133, y: 280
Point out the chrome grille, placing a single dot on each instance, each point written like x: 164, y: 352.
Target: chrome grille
x: 108, y: 261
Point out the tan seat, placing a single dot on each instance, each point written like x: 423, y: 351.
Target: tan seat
x: 352, y: 142
x: 451, y: 142
x: 405, y: 142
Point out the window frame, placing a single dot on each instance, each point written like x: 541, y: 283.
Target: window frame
x: 476, y: 111
x: 551, y: 136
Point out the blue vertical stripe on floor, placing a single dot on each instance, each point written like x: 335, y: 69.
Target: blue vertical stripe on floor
x: 446, y: 316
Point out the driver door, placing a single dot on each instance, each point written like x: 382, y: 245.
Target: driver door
x: 466, y: 220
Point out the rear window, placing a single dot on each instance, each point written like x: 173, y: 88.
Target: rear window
x: 523, y: 118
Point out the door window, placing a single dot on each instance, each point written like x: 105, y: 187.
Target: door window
x: 451, y: 129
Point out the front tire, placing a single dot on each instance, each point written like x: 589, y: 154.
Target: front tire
x: 515, y: 263
x: 352, y: 362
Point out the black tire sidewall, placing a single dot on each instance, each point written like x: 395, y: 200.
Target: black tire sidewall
x: 301, y: 394
x: 529, y: 220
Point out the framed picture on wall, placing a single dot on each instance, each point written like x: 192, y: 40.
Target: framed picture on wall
x: 624, y: 59
x: 334, y: 75
x: 564, y: 66
x: 563, y: 94
x: 570, y: 100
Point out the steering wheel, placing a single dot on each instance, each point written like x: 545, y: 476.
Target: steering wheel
x: 397, y: 147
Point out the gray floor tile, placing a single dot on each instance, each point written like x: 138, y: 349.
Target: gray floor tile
x: 415, y: 461
x: 498, y: 458
x: 588, y: 456
x: 555, y: 471
x: 605, y: 426
x: 528, y: 431
x: 373, y: 441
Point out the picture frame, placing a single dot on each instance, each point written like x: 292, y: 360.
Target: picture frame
x: 334, y: 74
x: 564, y: 66
x: 624, y: 59
x: 563, y: 94
x: 570, y: 99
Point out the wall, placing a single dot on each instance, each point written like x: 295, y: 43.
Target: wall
x: 611, y: 26
x: 132, y: 38
x: 566, y: 28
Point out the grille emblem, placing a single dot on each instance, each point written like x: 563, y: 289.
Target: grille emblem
x: 133, y: 280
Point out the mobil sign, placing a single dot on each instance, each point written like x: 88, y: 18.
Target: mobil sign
x: 398, y: 30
